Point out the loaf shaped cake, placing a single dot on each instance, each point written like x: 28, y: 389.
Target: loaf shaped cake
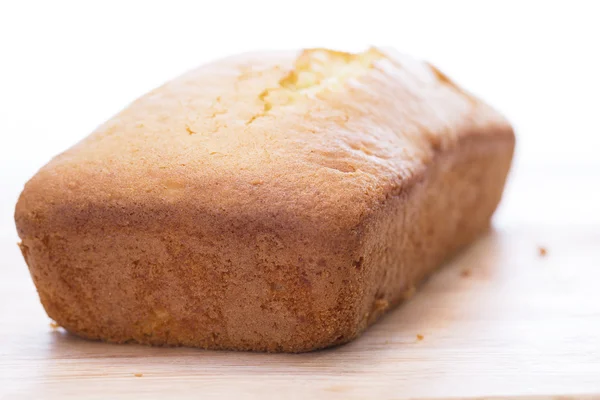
x: 274, y: 202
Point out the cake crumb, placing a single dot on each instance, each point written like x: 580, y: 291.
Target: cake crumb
x: 409, y: 293
x: 54, y: 325
x: 380, y: 305
x: 542, y: 251
x: 465, y: 273
x: 420, y: 337
x: 337, y: 388
x: 138, y: 375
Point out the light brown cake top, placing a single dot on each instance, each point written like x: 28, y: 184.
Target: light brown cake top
x: 322, y: 136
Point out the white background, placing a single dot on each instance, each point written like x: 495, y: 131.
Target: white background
x: 65, y: 67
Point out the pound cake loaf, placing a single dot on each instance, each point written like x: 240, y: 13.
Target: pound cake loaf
x: 268, y: 202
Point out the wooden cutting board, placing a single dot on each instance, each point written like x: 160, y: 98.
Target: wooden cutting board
x: 501, y: 320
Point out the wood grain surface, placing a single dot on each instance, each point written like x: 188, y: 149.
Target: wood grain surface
x: 501, y: 320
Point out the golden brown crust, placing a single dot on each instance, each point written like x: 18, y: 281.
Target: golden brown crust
x: 263, y: 202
